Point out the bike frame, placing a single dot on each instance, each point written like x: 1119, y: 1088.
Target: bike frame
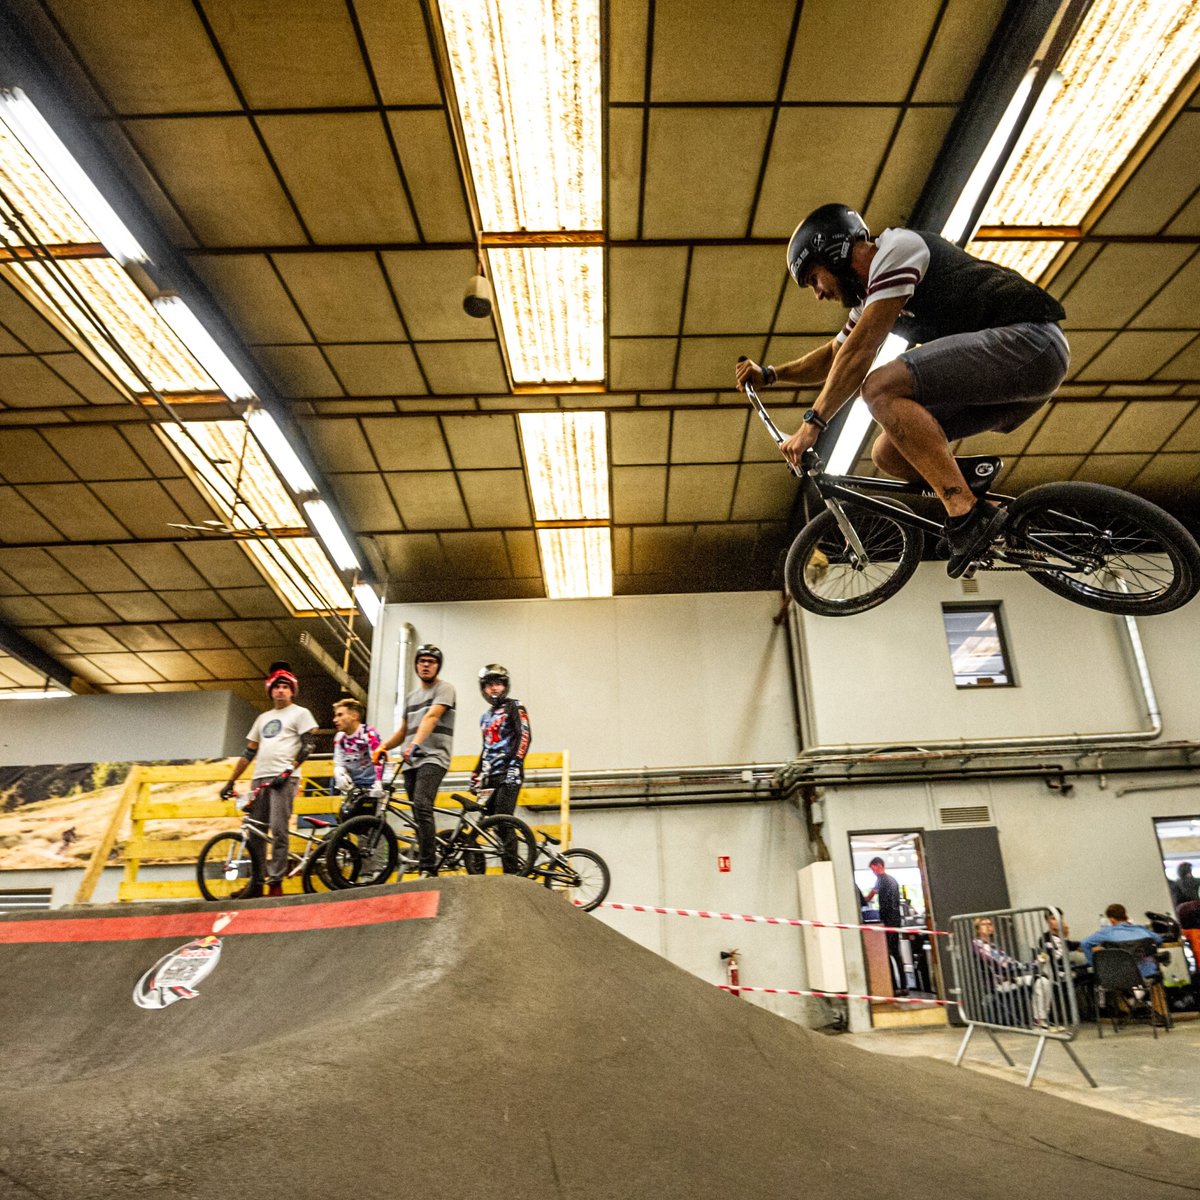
x: 833, y: 489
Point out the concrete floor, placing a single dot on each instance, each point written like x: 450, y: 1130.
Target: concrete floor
x: 1150, y: 1081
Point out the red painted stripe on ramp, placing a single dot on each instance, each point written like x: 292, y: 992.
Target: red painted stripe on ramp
x: 372, y: 910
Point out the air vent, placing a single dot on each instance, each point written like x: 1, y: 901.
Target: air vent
x: 25, y: 899
x: 970, y: 587
x: 968, y: 814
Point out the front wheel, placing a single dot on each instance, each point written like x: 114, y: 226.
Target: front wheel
x: 230, y: 867
x: 583, y: 879
x: 1104, y: 548
x: 506, y: 842
x: 362, y: 852
x: 826, y: 574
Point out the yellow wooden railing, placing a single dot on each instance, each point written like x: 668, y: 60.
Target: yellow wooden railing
x: 145, y: 809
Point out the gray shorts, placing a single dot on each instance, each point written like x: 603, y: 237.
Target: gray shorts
x: 993, y: 379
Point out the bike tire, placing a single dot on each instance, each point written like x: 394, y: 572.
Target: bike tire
x: 826, y: 577
x: 584, y: 882
x: 362, y: 852
x: 1146, y: 562
x: 230, y: 867
x: 494, y: 833
x: 315, y: 877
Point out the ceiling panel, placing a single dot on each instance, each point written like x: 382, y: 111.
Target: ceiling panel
x: 496, y: 498
x: 482, y: 441
x: 248, y: 287
x: 698, y: 436
x: 216, y: 173
x: 645, y: 289
x: 430, y: 166
x: 428, y: 500
x: 429, y: 286
x: 377, y: 369
x: 700, y: 493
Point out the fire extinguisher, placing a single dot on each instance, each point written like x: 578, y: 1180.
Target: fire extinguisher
x: 730, y: 959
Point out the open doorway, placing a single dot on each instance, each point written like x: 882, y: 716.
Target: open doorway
x: 892, y: 889
x: 1179, y: 845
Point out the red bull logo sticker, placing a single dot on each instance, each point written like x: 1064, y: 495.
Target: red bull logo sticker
x: 176, y: 976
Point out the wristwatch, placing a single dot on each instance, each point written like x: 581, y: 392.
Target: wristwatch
x: 812, y: 417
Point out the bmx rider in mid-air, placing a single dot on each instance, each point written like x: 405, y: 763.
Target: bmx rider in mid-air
x: 986, y: 353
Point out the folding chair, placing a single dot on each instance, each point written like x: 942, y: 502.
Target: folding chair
x: 1118, y: 974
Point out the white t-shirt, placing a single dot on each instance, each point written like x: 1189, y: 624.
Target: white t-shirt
x: 278, y: 732
x: 900, y: 262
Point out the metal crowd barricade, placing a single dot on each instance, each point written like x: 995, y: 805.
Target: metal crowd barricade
x: 1009, y: 977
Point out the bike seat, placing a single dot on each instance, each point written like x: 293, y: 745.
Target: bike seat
x: 468, y: 802
x: 980, y: 471
x: 552, y: 840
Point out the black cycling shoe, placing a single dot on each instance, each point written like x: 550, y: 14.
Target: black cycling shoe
x: 974, y: 533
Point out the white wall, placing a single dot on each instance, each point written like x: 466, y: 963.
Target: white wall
x: 667, y: 857
x: 885, y: 676
x: 628, y: 681
x: 126, y: 727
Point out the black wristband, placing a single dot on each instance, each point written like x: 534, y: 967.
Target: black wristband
x: 769, y: 375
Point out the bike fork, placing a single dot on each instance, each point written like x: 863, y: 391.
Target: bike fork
x: 848, y: 530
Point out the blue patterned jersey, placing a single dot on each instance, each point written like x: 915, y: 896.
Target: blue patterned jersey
x: 505, y: 731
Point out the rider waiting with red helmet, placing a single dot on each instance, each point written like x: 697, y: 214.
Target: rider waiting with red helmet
x: 988, y: 354
x: 501, y: 766
x: 284, y: 734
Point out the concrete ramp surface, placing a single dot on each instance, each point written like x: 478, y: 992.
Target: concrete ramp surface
x: 476, y: 1037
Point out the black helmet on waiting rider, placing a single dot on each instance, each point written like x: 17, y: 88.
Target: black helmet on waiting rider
x: 826, y: 237
x: 429, y: 650
x: 494, y: 673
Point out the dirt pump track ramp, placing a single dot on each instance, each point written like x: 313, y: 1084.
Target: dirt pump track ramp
x: 507, y: 1046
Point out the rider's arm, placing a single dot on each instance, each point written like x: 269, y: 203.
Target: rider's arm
x: 522, y: 746
x: 239, y: 766
x: 813, y: 367
x: 855, y: 355
x: 396, y: 737
x: 308, y: 743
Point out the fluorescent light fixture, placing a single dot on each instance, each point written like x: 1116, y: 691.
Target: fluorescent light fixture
x: 46, y: 148
x: 31, y: 192
x: 330, y: 532
x: 36, y: 694
x: 577, y: 562
x: 550, y: 301
x: 566, y: 457
x: 527, y: 79
x: 279, y: 450
x: 1124, y: 64
x: 201, y: 344
x: 125, y: 329
x: 368, y: 602
x: 956, y: 223
x: 848, y: 446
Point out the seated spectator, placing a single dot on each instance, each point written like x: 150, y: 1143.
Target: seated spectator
x: 1018, y: 991
x: 1121, y: 929
x: 1056, y: 943
x: 1061, y: 959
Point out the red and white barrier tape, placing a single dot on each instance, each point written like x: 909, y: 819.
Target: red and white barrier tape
x: 833, y: 995
x: 723, y: 916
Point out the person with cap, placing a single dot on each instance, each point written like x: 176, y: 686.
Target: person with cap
x: 500, y: 770
x: 284, y: 734
x: 425, y: 738
x: 985, y: 353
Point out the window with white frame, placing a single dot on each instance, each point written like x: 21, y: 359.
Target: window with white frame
x: 978, y: 651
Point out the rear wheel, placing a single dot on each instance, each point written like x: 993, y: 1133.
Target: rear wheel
x: 508, y: 843
x: 362, y: 852
x: 1104, y: 548
x: 583, y: 880
x: 826, y: 575
x: 230, y: 867
x: 315, y: 877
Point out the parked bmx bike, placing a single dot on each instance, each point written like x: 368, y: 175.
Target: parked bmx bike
x: 580, y: 875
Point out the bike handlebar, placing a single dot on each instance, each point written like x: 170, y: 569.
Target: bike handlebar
x: 807, y: 463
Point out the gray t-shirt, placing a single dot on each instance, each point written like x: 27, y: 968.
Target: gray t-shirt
x: 437, y: 746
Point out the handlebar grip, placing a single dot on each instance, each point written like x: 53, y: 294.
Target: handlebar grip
x: 743, y: 358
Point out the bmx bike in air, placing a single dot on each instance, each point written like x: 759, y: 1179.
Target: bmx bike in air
x: 1095, y: 545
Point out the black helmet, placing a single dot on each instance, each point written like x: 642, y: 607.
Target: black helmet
x: 827, y: 236
x: 358, y: 803
x: 429, y: 650
x: 494, y: 673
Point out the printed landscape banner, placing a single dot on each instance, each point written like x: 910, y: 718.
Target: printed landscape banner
x: 56, y: 816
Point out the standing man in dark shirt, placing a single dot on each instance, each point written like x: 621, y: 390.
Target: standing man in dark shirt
x: 426, y: 739
x: 888, y: 891
x: 990, y: 354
